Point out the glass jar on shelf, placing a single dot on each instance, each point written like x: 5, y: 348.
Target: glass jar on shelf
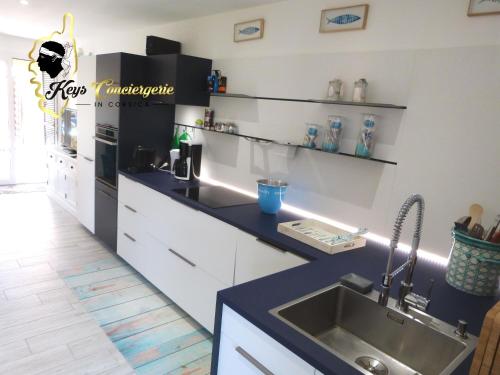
x: 359, y: 92
x: 366, y: 139
x: 335, y: 89
x: 311, y: 136
x: 333, y: 134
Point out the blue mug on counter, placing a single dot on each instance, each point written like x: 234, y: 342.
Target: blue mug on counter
x: 271, y: 194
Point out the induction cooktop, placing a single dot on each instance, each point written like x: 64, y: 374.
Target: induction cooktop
x: 215, y: 196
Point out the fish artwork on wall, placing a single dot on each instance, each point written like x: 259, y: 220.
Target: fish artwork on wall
x: 483, y: 7
x: 248, y: 30
x: 343, y: 19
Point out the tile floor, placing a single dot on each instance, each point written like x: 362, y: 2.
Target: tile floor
x: 69, y: 306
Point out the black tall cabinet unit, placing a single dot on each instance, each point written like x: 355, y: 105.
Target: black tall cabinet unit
x: 147, y: 122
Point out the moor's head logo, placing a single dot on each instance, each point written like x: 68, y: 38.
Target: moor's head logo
x: 50, y: 58
x: 53, y: 64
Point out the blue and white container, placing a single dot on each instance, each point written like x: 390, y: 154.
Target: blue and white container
x: 366, y: 140
x: 333, y: 134
x: 271, y: 195
x: 473, y: 265
x: 311, y: 136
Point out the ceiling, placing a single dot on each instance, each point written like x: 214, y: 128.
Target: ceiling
x: 91, y: 16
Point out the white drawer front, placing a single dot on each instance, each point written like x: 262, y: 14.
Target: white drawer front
x: 233, y: 360
x: 132, y: 222
x: 256, y: 259
x: 209, y: 242
x: 243, y: 339
x: 132, y: 251
x: 137, y: 196
x: 185, y: 283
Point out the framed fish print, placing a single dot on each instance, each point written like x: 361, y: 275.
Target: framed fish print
x: 483, y: 7
x: 249, y: 30
x: 343, y: 19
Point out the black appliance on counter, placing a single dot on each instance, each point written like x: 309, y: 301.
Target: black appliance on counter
x: 188, y: 165
x: 143, y: 160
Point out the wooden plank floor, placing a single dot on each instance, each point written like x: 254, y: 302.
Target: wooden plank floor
x: 69, y: 306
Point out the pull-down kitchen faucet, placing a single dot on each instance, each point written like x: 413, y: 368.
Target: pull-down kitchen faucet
x: 406, y: 297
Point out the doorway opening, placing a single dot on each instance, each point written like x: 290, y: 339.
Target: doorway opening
x: 22, y: 132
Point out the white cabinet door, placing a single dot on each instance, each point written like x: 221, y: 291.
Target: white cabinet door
x: 85, y: 192
x: 60, y: 189
x: 86, y: 109
x: 52, y: 172
x: 255, y: 259
x: 245, y: 349
x: 180, y: 278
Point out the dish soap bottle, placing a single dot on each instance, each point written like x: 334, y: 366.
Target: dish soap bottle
x: 366, y: 141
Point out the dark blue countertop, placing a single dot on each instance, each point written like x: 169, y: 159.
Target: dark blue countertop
x: 254, y: 299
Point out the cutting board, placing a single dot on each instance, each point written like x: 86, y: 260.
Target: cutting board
x: 487, y: 356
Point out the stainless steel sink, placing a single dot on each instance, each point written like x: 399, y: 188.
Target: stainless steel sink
x: 376, y: 339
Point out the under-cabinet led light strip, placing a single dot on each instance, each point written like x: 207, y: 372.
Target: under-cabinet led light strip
x: 424, y: 254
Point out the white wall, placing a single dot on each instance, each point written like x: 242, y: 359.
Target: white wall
x: 433, y: 58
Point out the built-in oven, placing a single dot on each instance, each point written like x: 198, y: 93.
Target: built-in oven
x: 106, y: 154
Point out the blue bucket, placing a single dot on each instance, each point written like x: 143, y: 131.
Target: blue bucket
x: 271, y: 194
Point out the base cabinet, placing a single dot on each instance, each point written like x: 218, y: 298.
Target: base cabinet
x: 62, y: 179
x: 246, y: 350
x: 187, y: 254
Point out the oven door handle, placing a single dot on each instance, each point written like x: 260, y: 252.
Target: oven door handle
x: 105, y: 141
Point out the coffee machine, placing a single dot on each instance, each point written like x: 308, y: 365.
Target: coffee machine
x: 188, y: 165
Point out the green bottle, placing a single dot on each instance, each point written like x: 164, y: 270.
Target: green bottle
x: 175, y: 140
x: 184, y: 136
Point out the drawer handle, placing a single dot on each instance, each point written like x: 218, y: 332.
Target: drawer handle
x: 270, y: 245
x: 182, y: 258
x: 259, y: 366
x: 130, y: 208
x: 129, y: 237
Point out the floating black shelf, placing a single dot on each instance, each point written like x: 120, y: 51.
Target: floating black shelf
x: 251, y: 138
x: 320, y: 101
